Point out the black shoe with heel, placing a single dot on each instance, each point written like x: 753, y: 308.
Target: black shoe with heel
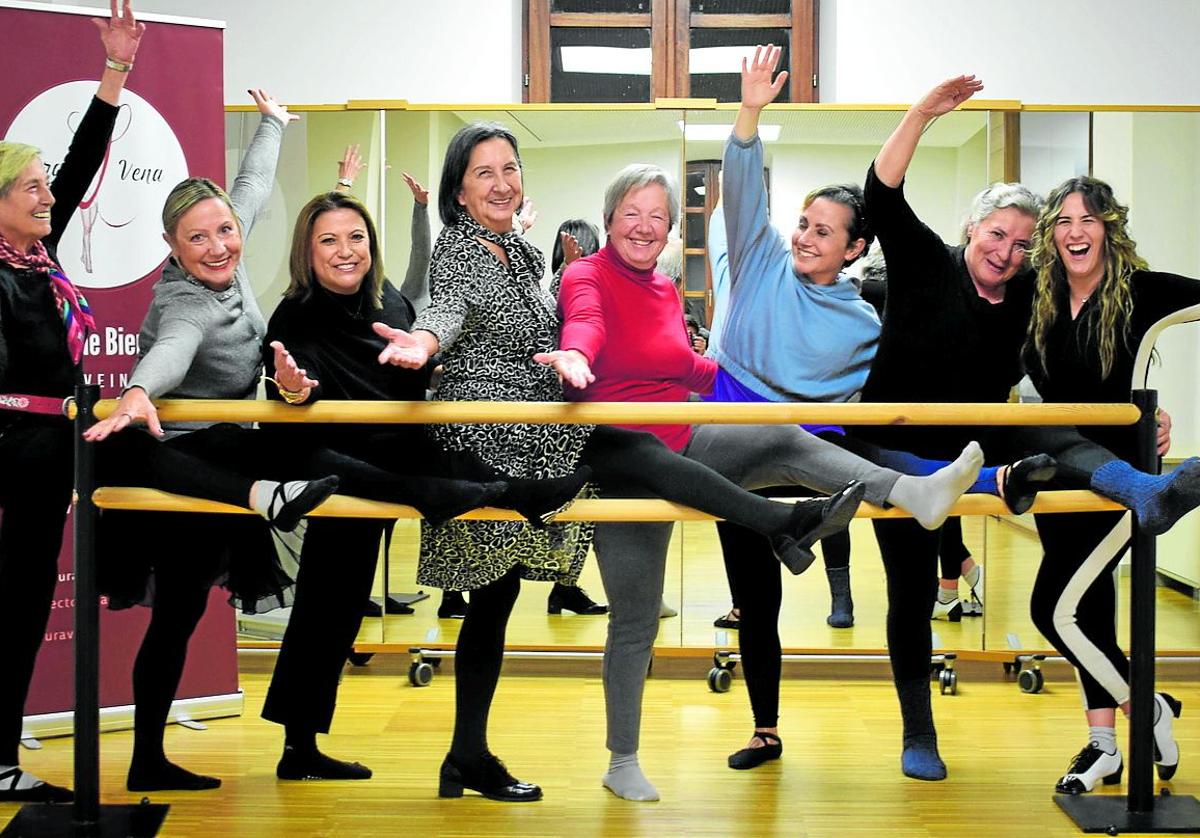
x: 453, y: 607
x: 486, y: 775
x: 572, y: 598
x: 771, y: 748
x: 813, y: 520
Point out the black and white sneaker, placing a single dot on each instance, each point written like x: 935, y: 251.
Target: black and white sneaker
x: 1166, y: 749
x: 1088, y: 766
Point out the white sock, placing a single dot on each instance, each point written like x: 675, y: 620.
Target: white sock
x: 13, y: 778
x: 930, y: 498
x: 625, y: 779
x: 265, y: 502
x: 947, y: 595
x: 1104, y: 737
x: 972, y: 575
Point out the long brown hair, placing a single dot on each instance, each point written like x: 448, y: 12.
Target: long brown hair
x: 1114, y: 307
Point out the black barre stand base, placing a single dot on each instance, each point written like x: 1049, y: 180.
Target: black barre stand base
x: 1109, y: 813
x: 51, y: 820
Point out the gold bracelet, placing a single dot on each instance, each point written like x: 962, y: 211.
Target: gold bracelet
x: 119, y: 66
x: 289, y: 396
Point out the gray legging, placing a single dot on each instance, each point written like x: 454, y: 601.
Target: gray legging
x: 632, y: 556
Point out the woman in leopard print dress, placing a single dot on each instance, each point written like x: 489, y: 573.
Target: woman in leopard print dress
x: 488, y: 317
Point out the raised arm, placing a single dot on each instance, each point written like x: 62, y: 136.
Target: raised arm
x: 416, y: 279
x: 892, y: 161
x: 256, y: 176
x: 758, y: 90
x: 121, y: 35
x: 348, y: 168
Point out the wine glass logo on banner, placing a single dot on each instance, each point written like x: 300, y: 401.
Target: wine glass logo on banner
x: 115, y: 237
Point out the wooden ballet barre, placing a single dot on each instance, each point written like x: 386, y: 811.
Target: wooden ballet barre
x: 340, y: 506
x: 636, y: 413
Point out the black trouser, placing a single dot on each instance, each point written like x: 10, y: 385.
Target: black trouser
x: 337, y: 567
x: 951, y: 550
x: 35, y: 489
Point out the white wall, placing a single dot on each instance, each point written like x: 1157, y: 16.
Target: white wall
x: 317, y: 51
x: 1084, y: 51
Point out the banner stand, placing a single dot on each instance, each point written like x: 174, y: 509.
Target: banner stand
x: 86, y: 816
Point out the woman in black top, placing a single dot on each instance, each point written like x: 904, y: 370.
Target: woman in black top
x: 1094, y: 304
x: 42, y: 324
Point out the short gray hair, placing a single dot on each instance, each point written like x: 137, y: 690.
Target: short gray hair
x: 636, y: 176
x: 1000, y: 196
x: 670, y: 261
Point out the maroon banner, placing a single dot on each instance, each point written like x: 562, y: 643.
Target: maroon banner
x: 170, y: 125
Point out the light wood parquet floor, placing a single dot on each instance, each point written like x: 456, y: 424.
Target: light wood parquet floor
x: 839, y: 775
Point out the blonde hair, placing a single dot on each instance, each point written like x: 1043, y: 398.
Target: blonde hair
x: 14, y: 157
x: 188, y: 193
x: 1109, y: 321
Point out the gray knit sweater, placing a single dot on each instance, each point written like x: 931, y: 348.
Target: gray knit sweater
x: 204, y: 344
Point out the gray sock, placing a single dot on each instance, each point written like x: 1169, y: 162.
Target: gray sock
x: 1104, y: 737
x: 929, y: 499
x: 625, y: 779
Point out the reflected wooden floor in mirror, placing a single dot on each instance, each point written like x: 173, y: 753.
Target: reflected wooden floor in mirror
x: 839, y: 775
x: 696, y: 586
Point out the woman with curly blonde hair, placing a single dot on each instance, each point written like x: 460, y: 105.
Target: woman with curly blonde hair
x: 1094, y: 303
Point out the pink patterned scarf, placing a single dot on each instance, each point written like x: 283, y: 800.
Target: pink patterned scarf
x: 71, y: 305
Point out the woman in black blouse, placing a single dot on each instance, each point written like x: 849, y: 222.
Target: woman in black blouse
x: 43, y: 321
x: 1095, y: 302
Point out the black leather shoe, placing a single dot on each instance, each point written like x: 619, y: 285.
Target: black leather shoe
x: 572, y: 598
x: 813, y: 520
x: 486, y: 775
x: 771, y: 748
x: 453, y: 607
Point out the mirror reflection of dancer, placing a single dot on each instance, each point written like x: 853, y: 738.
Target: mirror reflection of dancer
x: 1096, y: 299
x: 89, y: 207
x: 43, y: 323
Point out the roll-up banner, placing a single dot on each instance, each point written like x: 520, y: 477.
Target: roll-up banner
x: 170, y: 126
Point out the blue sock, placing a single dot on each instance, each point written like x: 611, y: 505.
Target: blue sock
x: 920, y: 759
x: 911, y: 464
x: 1158, y: 500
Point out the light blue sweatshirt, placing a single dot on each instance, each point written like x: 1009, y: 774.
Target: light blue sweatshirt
x: 718, y: 260
x: 783, y: 336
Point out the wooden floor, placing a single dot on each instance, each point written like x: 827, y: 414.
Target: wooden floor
x: 839, y: 775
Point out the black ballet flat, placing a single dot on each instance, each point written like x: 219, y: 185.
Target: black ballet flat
x: 486, y: 775
x: 41, y: 793
x: 1024, y: 479
x: 746, y: 758
x: 539, y: 501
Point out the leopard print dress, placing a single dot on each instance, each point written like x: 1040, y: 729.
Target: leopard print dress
x: 490, y: 320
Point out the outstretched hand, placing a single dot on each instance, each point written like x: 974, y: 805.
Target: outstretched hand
x: 420, y: 193
x: 269, y: 107
x: 948, y: 95
x: 134, y: 408
x: 758, y: 89
x: 570, y: 364
x: 288, y: 375
x: 120, y: 34
x: 403, y: 350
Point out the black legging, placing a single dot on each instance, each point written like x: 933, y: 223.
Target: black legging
x: 617, y: 457
x: 35, y: 489
x: 952, y: 552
